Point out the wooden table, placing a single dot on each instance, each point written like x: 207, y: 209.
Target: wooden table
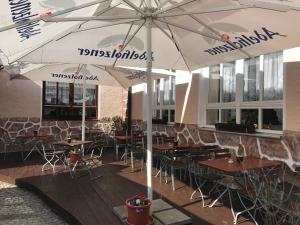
x: 121, y: 140
x: 249, y: 163
x: 72, y: 143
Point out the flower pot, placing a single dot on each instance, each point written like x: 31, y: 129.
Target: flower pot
x: 240, y: 159
x: 138, y: 215
x: 74, y: 157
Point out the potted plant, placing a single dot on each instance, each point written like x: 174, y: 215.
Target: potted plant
x: 74, y: 155
x: 117, y: 124
x: 69, y: 134
x: 138, y: 208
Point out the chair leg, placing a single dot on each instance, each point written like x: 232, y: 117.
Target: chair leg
x: 172, y: 178
x: 131, y: 160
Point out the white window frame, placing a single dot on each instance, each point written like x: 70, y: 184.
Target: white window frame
x: 162, y: 106
x: 239, y: 104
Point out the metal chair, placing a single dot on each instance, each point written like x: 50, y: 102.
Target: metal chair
x: 137, y: 150
x: 12, y: 144
x: 51, y: 154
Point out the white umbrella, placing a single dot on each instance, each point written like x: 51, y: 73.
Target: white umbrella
x: 88, y: 74
x: 179, y: 34
x: 95, y: 74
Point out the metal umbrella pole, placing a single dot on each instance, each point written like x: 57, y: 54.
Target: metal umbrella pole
x: 149, y: 104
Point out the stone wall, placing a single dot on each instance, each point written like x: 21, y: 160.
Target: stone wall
x: 15, y: 128
x: 286, y: 148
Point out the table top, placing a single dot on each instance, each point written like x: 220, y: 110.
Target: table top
x: 36, y: 136
x: 123, y: 137
x: 249, y: 163
x: 72, y: 143
x: 163, y: 147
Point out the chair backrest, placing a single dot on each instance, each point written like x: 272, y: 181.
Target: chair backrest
x: 138, y: 142
x: 168, y: 139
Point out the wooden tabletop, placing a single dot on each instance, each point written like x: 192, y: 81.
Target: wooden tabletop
x: 163, y: 147
x: 249, y: 163
x: 36, y: 136
x: 171, y: 146
x: 72, y: 143
x: 123, y: 137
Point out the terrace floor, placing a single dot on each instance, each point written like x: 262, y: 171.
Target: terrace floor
x: 90, y: 202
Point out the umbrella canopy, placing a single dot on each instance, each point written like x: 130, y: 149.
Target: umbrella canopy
x: 94, y: 74
x: 22, y: 39
x: 195, y: 33
x: 177, y: 34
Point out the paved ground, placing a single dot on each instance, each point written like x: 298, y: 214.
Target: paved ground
x: 20, y: 207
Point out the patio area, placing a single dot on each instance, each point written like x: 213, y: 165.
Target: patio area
x: 85, y: 201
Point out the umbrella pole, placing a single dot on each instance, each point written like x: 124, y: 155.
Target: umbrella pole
x: 83, y: 108
x: 149, y: 111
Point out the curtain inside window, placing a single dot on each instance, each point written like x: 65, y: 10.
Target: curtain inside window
x: 273, y: 76
x: 229, y: 82
x: 251, y: 79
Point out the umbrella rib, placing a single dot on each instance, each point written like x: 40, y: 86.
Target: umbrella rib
x: 134, y: 6
x: 206, y: 11
x: 106, y: 25
x: 191, y: 30
x: 172, y: 7
x: 22, y: 23
x: 132, y: 36
x: 174, y: 41
x: 127, y: 34
x: 162, y: 3
x: 91, y: 18
x: 214, y: 31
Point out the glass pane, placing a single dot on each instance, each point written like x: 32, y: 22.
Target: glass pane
x: 214, y: 84
x: 90, y: 94
x: 251, y: 79
x: 50, y: 92
x: 165, y: 115
x: 172, y: 91
x: 172, y: 115
x: 157, y: 90
x: 249, y: 116
x: 212, y: 116
x: 228, y: 78
x: 166, y: 94
x: 63, y: 93
x: 272, y: 119
x: 228, y: 116
x: 273, y: 76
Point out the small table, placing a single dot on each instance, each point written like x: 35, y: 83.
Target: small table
x: 119, y: 140
x: 72, y: 143
x: 249, y: 163
x: 68, y: 145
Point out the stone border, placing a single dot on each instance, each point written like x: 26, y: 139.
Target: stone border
x: 286, y: 149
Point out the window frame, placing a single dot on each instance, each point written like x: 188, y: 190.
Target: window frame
x: 163, y: 106
x: 71, y: 104
x: 239, y: 104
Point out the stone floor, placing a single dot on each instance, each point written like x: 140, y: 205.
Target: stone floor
x: 20, y: 207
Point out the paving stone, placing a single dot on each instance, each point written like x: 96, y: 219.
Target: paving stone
x: 20, y: 207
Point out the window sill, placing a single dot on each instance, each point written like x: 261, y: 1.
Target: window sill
x: 258, y: 134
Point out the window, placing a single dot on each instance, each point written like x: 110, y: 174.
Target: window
x: 247, y: 91
x: 62, y: 101
x: 164, y: 99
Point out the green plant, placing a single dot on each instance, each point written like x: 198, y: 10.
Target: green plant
x: 117, y: 123
x: 75, y: 150
x: 241, y: 150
